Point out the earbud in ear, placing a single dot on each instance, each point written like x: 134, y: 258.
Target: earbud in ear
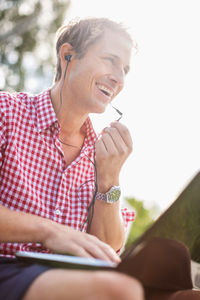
x: 68, y: 57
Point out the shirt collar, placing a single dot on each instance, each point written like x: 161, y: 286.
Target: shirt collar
x: 46, y: 117
x: 45, y: 113
x: 91, y: 135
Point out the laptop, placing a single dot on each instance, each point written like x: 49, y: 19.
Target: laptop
x: 181, y: 221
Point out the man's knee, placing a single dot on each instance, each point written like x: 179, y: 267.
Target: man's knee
x: 62, y: 284
x: 120, y: 286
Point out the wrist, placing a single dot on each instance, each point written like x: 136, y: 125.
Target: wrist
x: 105, y: 186
x: 111, y: 196
x: 47, y: 229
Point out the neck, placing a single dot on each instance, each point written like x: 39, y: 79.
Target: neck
x: 69, y: 118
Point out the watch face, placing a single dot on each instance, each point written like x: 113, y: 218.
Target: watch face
x: 113, y: 194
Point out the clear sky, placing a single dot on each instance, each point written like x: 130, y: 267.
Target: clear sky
x: 161, y: 98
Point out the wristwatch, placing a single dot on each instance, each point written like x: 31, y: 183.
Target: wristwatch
x: 111, y: 196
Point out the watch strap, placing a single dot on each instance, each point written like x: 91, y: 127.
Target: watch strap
x: 112, y: 196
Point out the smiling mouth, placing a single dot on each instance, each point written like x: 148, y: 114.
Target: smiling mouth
x: 109, y: 93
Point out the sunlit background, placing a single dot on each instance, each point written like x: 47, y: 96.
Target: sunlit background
x: 160, y: 102
x: 162, y: 94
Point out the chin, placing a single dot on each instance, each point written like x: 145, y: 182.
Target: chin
x: 101, y: 109
x: 99, y: 106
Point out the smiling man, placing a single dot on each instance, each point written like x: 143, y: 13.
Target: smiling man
x: 93, y: 78
x: 60, y: 182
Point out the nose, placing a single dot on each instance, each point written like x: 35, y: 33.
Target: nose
x: 117, y: 76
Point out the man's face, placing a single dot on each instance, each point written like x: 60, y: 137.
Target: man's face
x: 94, y: 80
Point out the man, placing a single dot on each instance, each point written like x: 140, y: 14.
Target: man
x: 53, y: 169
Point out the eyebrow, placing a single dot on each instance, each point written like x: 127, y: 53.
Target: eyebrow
x: 126, y: 68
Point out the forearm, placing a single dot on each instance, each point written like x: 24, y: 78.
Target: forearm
x: 107, y: 224
x: 22, y: 227
x: 112, y: 150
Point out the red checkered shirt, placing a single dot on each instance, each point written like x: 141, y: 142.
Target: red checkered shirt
x: 33, y: 174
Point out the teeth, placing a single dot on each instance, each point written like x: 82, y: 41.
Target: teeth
x: 106, y: 90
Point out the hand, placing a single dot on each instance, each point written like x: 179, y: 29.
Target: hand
x: 112, y: 151
x: 66, y: 240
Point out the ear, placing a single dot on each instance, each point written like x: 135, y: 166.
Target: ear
x: 65, y: 50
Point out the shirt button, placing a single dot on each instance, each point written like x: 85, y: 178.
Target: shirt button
x: 58, y: 212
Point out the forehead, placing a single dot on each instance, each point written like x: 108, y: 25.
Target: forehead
x: 114, y: 43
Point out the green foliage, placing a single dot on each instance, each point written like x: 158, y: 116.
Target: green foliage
x: 27, y: 37
x: 144, y: 218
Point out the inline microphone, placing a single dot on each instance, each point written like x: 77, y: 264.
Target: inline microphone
x: 118, y: 111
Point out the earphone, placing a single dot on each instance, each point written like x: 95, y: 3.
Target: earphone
x: 68, y: 57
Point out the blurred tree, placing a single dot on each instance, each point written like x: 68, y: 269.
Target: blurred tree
x: 144, y: 218
x: 27, y: 36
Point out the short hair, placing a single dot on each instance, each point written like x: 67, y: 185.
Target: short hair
x: 81, y: 34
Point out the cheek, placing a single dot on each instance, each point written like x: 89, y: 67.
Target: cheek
x: 85, y: 75
x: 81, y: 74
x: 79, y: 84
x: 83, y: 81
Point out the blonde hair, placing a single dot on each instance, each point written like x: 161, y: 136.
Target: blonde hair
x: 80, y: 34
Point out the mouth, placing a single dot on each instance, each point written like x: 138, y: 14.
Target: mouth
x: 105, y: 90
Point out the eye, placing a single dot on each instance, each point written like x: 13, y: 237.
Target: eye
x: 110, y: 59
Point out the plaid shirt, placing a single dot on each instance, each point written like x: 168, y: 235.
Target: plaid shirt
x: 33, y: 174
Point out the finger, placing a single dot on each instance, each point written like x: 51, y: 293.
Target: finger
x: 124, y: 132
x: 105, y: 147
x: 109, y: 143
x: 100, y: 149
x: 93, y: 251
x: 117, y: 139
x: 101, y: 253
x: 89, y: 247
x: 110, y: 252
x: 80, y: 251
x: 102, y: 250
